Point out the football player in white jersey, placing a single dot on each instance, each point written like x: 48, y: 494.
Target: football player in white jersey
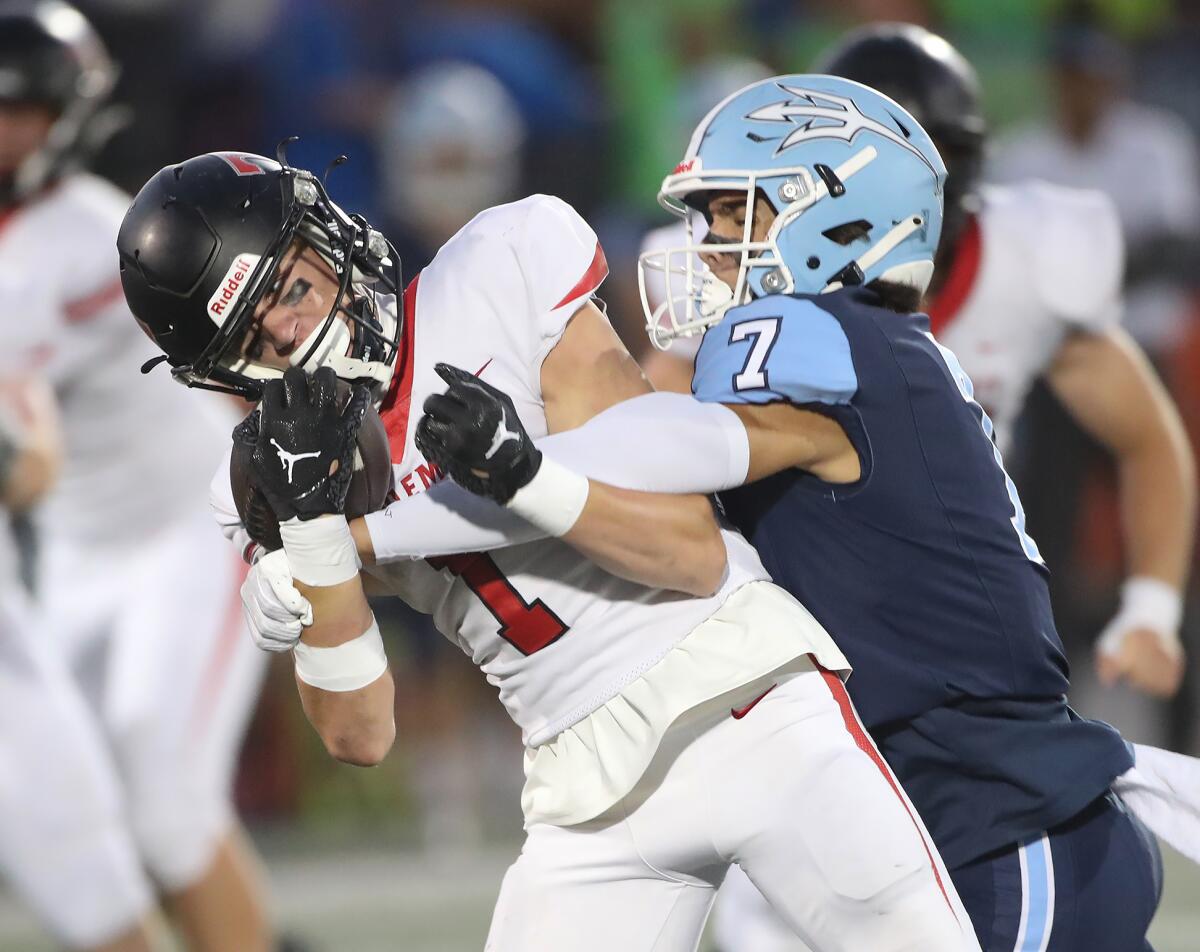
x: 77, y: 803
x: 630, y: 698
x: 122, y: 534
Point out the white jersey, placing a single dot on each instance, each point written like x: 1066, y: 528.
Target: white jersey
x: 138, y: 447
x: 1037, y: 262
x: 557, y: 635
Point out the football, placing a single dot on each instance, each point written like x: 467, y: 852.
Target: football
x: 370, y: 486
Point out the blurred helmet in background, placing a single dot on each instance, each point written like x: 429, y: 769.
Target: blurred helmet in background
x: 853, y: 179
x: 449, y: 146
x: 201, y: 245
x: 935, y: 83
x: 50, y: 56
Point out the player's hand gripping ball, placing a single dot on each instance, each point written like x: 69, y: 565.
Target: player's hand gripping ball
x: 312, y: 447
x: 473, y: 433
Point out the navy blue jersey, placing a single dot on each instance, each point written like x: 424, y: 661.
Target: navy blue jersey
x: 921, y: 570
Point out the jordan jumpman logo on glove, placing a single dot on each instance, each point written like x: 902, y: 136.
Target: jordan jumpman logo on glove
x: 303, y: 442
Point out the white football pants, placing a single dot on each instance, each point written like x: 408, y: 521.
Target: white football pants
x: 155, y: 638
x: 793, y: 791
x: 64, y: 845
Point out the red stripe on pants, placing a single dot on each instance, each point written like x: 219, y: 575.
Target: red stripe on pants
x: 850, y: 717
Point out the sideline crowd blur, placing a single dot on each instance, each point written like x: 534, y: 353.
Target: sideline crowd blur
x: 447, y: 107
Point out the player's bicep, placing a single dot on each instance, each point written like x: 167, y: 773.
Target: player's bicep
x: 771, y: 363
x: 588, y: 371
x: 783, y: 436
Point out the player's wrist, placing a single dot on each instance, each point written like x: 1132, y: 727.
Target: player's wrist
x: 1146, y: 602
x: 345, y: 667
x: 320, y: 551
x: 553, y: 500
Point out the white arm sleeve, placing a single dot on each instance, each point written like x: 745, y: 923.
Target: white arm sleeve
x: 660, y: 442
x: 445, y: 520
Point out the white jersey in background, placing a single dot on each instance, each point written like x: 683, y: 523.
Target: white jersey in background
x: 1036, y: 263
x: 1145, y: 160
x: 137, y: 446
x: 137, y: 589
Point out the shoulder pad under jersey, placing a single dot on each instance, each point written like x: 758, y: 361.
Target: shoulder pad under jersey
x: 778, y: 348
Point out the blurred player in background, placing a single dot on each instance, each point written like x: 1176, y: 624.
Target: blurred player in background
x: 139, y: 594
x: 1027, y: 282
x: 630, y: 695
x: 64, y: 846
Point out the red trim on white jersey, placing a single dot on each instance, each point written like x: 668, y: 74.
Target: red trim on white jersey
x: 867, y: 746
x: 214, y: 679
x: 85, y: 308
x: 596, y: 272
x: 394, y: 411
x: 964, y: 269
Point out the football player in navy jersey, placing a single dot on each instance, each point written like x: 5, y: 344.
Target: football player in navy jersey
x: 877, y: 496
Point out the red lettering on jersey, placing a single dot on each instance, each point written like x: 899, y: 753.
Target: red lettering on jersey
x: 406, y: 481
x: 527, y: 626
x: 430, y: 474
x: 964, y: 269
x: 597, y: 271
x: 242, y: 163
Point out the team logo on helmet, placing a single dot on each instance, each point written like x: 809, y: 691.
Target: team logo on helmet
x: 822, y: 115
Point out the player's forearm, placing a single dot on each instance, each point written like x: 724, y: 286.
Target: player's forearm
x: 1158, y: 504
x: 657, y: 443
x: 355, y: 725
x: 341, y: 670
x: 444, y: 520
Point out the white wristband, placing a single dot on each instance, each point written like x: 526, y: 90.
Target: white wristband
x: 347, y: 667
x: 553, y: 500
x: 1145, y: 603
x: 320, y: 551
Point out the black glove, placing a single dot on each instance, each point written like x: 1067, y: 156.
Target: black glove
x: 303, y: 443
x: 473, y: 433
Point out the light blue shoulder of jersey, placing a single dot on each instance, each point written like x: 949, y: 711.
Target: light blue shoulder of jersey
x: 777, y: 348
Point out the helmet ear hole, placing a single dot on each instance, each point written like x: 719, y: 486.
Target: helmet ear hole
x: 849, y: 232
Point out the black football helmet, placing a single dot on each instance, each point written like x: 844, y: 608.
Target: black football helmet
x: 201, y: 245
x: 49, y: 54
x: 934, y: 82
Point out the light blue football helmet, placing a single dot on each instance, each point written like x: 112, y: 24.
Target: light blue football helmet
x: 855, y: 182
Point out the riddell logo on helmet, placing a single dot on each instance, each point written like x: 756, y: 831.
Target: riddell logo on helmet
x: 691, y: 165
x: 230, y: 288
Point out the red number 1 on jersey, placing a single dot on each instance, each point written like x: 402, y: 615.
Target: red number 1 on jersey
x: 527, y: 626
